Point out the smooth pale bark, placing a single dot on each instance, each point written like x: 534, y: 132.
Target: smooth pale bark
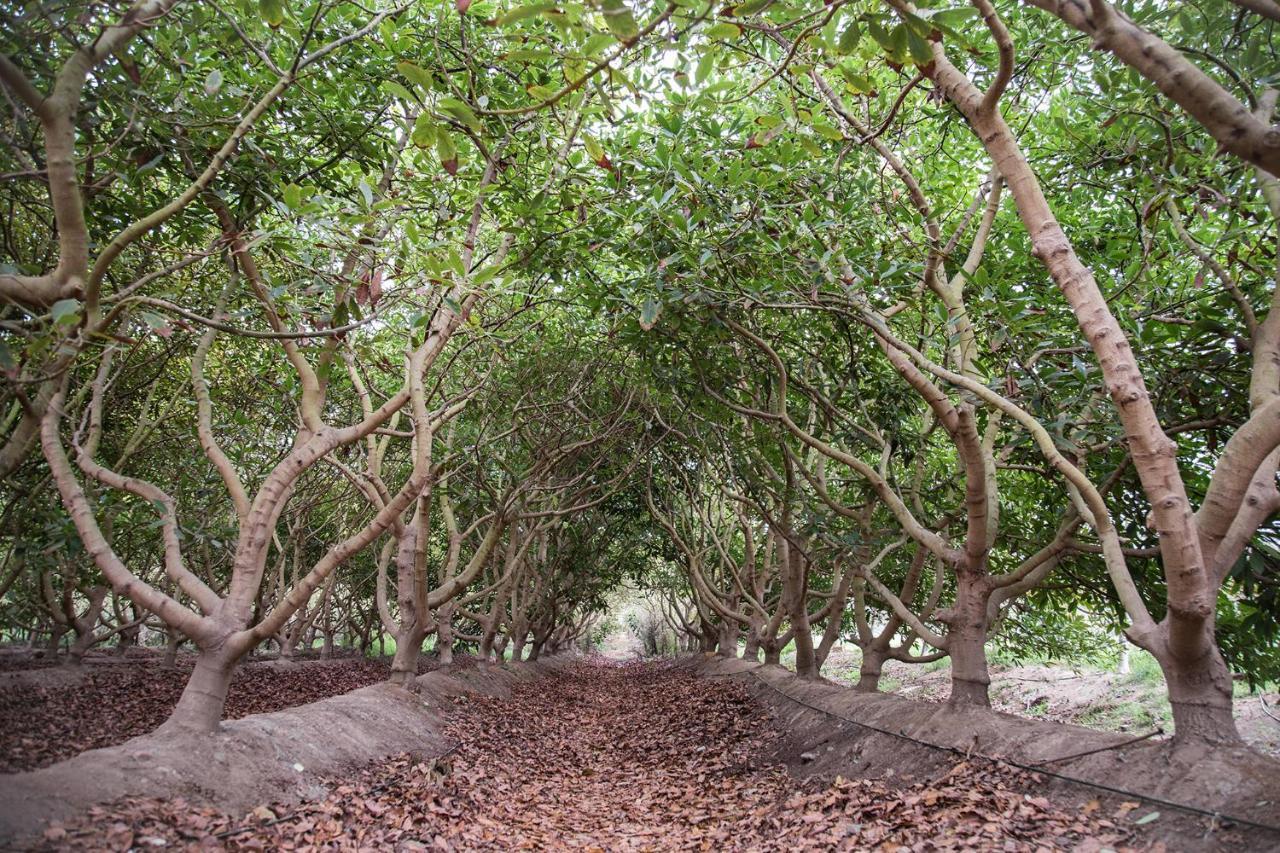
x: 444, y: 635
x: 869, y: 672
x: 84, y: 626
x: 1183, y: 642
x: 199, y: 708
x: 966, y: 622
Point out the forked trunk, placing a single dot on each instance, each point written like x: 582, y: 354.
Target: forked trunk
x: 773, y: 654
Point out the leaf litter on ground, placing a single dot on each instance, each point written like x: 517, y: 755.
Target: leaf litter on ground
x: 41, y: 725
x: 632, y: 757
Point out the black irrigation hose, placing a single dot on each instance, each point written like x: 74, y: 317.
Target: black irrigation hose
x: 1216, y: 816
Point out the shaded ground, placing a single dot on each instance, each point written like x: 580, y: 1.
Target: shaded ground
x: 110, y: 702
x: 1134, y: 703
x: 631, y: 757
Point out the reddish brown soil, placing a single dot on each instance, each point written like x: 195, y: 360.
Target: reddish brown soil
x: 113, y: 702
x: 637, y: 757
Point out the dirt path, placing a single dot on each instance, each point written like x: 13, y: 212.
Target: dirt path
x: 615, y: 757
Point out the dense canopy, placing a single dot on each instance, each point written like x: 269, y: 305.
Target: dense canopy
x: 930, y: 326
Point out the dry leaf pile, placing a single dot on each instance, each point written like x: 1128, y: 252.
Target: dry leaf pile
x: 633, y: 757
x: 40, y: 726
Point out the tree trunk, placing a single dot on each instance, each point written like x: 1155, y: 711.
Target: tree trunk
x: 773, y: 654
x: 1200, y: 694
x: 444, y: 636
x: 128, y: 639
x: 199, y: 709
x: 56, y: 633
x: 967, y: 643
x: 751, y: 648
x: 535, y: 650
x: 172, y: 642
x: 728, y: 639
x: 84, y: 642
x: 806, y: 660
x: 404, y: 666
x: 869, y: 673
x: 287, y: 644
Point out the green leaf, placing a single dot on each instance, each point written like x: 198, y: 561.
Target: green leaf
x: 65, y: 311
x: 462, y: 113
x: 705, y: 66
x: 521, y: 13
x: 749, y: 7
x: 156, y: 323
x: 921, y: 52
x: 447, y: 151
x: 213, y: 82
x: 597, y: 43
x: 391, y: 87
x: 292, y: 194
x: 424, y: 131
x: 724, y: 30
x: 897, y: 47
x: 649, y: 312
x: 415, y: 75
x: 951, y: 18
x: 823, y: 129
x: 594, y: 149
x: 366, y: 192
x: 879, y: 33
x: 849, y: 38
x: 619, y: 20
x: 1147, y: 818
x: 272, y: 12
